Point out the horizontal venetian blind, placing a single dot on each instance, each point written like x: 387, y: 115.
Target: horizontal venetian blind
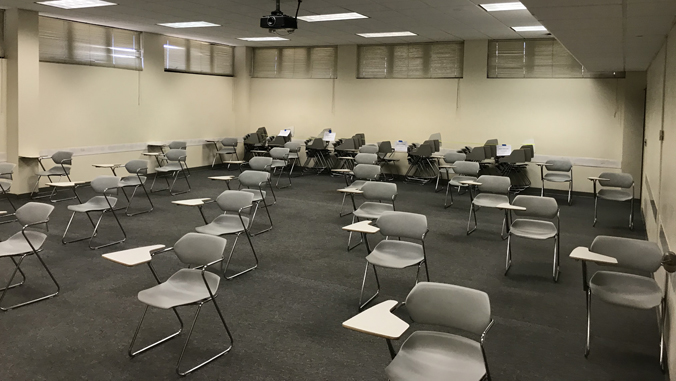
x: 191, y: 56
x: 70, y: 42
x: 315, y: 62
x: 536, y: 59
x: 436, y: 60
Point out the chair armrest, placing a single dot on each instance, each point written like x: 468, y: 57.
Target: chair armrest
x: 583, y: 253
x: 543, y: 164
x: 106, y: 165
x: 66, y: 184
x: 379, y: 321
x: 593, y: 178
x: 191, y: 202
x: 136, y: 256
x: 151, y: 154
x: 507, y: 206
x: 362, y: 227
x: 223, y: 178
x: 469, y: 182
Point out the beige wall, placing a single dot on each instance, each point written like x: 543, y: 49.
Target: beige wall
x: 566, y: 117
x: 660, y: 169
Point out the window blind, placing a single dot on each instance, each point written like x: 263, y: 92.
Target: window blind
x: 191, y: 56
x: 2, y: 33
x: 536, y: 59
x: 314, y: 62
x: 436, y: 60
x: 70, y: 42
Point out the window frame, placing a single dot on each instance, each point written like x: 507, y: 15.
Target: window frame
x: 211, y: 45
x: 309, y: 59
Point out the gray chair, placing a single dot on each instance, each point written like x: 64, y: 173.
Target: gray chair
x: 106, y: 186
x: 397, y: 254
x: 139, y: 173
x: 361, y: 174
x: 536, y: 224
x: 25, y: 243
x: 192, y: 286
x: 366, y: 158
x: 434, y: 355
x: 369, y: 148
x: 63, y: 161
x: 177, y: 144
x: 176, y: 165
x: 260, y: 163
x: 614, y: 187
x: 379, y: 199
x: 493, y: 191
x: 229, y: 148
x: 280, y: 160
x: 254, y: 181
x: 6, y: 180
x: 465, y: 171
x: 623, y: 289
x: 294, y: 154
x: 449, y: 159
x: 558, y: 171
x: 232, y: 221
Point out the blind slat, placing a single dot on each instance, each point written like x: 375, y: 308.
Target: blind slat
x: 192, y: 56
x: 437, y: 60
x: 315, y: 62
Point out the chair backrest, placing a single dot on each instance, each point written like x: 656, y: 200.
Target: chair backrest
x: 137, y: 166
x: 476, y: 154
x: 229, y: 142
x: 368, y: 149
x: 101, y: 183
x: 293, y: 146
x: 279, y: 153
x: 559, y: 165
x: 366, y: 158
x: 632, y: 254
x: 385, y: 147
x: 424, y: 150
x: 618, y: 180
x: 6, y: 170
x: 253, y: 178
x: 435, y: 136
x: 449, y: 306
x: 196, y: 249
x: 233, y: 201
x: 33, y: 212
x: 366, y: 172
x: 177, y: 144
x: 176, y: 154
x: 538, y: 207
x: 402, y: 224
x: 317, y: 143
x: 360, y: 139
x: 452, y: 157
x: 260, y: 163
x: 62, y: 157
x: 529, y: 151
x: 494, y: 184
x: 467, y: 168
x: 262, y: 134
x: 375, y: 190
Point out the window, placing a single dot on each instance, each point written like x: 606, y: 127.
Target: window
x: 316, y: 62
x: 71, y: 42
x: 190, y: 56
x: 536, y: 59
x: 437, y: 60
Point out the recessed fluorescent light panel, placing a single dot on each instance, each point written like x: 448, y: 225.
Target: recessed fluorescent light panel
x: 257, y: 39
x: 190, y: 24
x: 75, y: 4
x: 497, y: 7
x: 333, y: 17
x: 387, y: 34
x: 539, y: 28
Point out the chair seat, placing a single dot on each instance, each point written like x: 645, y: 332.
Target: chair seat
x: 171, y: 167
x: 226, y: 150
x: 627, y: 290
x: 256, y: 193
x: 224, y: 224
x: 437, y: 356
x: 16, y: 244
x: 293, y: 155
x: 557, y: 177
x: 55, y: 171
x: 372, y: 210
x: 533, y: 229
x: 614, y: 194
x: 396, y: 254
x: 132, y: 181
x: 278, y: 163
x: 184, y: 287
x: 490, y: 200
x: 95, y: 204
x: 455, y: 181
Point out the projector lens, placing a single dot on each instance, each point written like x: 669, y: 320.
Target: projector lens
x: 271, y: 21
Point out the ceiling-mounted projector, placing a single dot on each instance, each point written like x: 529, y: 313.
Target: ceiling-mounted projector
x: 278, y: 20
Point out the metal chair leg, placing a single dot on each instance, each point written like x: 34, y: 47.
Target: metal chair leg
x: 23, y: 278
x: 363, y: 283
x: 556, y: 269
x: 253, y: 217
x: 18, y: 269
x: 131, y: 352
x: 126, y: 211
x: 349, y: 237
x: 596, y: 202
x: 471, y: 211
x: 586, y: 348
x: 227, y: 263
x: 110, y: 243
x: 663, y: 318
x: 448, y: 190
x: 187, y: 340
x: 631, y: 214
x: 185, y: 176
x: 508, y: 260
x: 570, y: 192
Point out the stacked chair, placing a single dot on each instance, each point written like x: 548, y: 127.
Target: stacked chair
x: 63, y: 161
x: 229, y: 148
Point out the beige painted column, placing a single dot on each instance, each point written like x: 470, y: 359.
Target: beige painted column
x: 23, y: 88
x: 241, y: 97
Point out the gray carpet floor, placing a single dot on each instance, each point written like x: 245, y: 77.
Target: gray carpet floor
x: 286, y: 316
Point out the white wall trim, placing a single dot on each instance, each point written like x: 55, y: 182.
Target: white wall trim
x: 116, y: 148
x: 582, y: 161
